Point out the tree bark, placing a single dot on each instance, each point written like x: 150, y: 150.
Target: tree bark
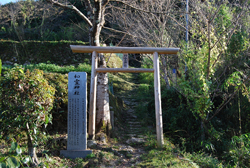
x: 102, y: 100
x: 31, y: 148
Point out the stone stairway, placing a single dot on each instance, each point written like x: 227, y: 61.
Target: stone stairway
x: 134, y: 126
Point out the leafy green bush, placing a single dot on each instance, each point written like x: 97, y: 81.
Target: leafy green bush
x: 0, y: 67
x: 48, y: 67
x: 25, y: 52
x: 240, y: 150
x: 60, y: 107
x: 57, y: 77
x: 14, y: 158
x: 204, y: 160
x: 26, y: 100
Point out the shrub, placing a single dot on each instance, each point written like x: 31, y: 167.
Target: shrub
x: 204, y: 160
x: 239, y: 152
x: 14, y: 157
x: 26, y: 100
x: 60, y: 107
x: 0, y: 67
x: 48, y: 67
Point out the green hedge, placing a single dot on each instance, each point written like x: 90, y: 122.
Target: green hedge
x: 26, y: 52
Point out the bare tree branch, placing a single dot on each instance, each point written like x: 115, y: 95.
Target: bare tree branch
x: 145, y: 11
x: 118, y: 31
x: 88, y: 7
x: 224, y: 104
x: 71, y: 7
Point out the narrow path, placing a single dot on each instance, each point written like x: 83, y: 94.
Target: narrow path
x: 134, y: 126
x: 133, y: 133
x: 130, y: 147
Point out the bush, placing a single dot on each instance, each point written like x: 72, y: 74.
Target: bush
x: 47, y: 67
x: 240, y: 151
x: 178, y: 121
x: 0, y: 67
x: 26, y: 52
x: 60, y: 107
x: 204, y: 160
x: 57, y: 76
x: 26, y: 101
x: 14, y: 157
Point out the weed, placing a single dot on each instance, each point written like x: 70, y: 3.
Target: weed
x: 89, y: 156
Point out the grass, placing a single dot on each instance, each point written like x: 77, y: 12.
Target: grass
x: 120, y: 83
x: 113, y: 61
x: 161, y: 158
x: 105, y: 155
x: 172, y: 156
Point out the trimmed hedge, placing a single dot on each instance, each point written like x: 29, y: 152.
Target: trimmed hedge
x: 33, y: 52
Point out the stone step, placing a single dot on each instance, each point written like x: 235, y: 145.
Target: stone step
x: 130, y: 102
x: 135, y: 127
x: 130, y: 110
x: 131, y: 115
x: 131, y: 122
x: 131, y: 118
x: 135, y: 131
x: 131, y: 135
x: 135, y: 135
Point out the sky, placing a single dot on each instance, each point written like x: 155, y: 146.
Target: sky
x: 6, y: 1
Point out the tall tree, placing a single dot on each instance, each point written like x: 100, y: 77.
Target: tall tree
x: 158, y: 23
x: 216, y: 39
x: 95, y: 20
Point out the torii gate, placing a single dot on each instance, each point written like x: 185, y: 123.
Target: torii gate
x: 139, y: 50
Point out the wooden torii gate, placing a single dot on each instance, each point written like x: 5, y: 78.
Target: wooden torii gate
x: 139, y: 50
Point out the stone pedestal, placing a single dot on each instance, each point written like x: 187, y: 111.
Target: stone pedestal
x: 77, y: 116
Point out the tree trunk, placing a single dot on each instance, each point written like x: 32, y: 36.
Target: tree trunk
x: 31, y: 148
x: 164, y: 61
x: 102, y: 97
x: 102, y: 104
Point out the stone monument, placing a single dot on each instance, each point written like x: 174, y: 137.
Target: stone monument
x: 77, y: 116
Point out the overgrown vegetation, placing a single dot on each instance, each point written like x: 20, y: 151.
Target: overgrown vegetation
x: 53, y: 68
x: 34, y: 52
x: 26, y: 101
x: 205, y: 104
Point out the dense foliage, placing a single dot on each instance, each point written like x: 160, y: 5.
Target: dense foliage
x: 34, y: 52
x: 26, y: 102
